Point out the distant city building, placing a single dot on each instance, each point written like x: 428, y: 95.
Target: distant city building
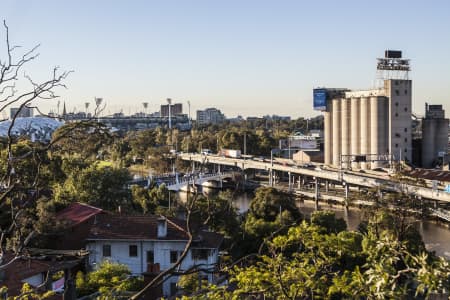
x: 25, y: 112
x: 210, y: 116
x: 175, y: 109
x: 238, y: 119
x: 434, y: 136
x: 255, y: 119
x: 277, y: 118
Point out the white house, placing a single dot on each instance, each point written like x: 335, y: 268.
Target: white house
x: 142, y: 241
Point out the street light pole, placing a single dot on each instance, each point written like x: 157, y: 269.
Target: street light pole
x: 271, y: 168
x: 245, y: 144
x: 169, y: 102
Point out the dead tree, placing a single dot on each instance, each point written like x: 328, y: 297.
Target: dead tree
x: 19, y: 90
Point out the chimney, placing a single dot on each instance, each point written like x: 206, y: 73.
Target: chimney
x: 162, y: 227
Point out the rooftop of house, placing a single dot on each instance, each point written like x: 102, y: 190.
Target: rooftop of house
x: 77, y: 213
x: 19, y: 269
x: 141, y: 228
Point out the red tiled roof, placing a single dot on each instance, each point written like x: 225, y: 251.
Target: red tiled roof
x: 77, y: 213
x: 24, y: 268
x: 120, y: 227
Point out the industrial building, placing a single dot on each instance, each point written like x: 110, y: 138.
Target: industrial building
x: 370, y: 128
x: 434, y: 137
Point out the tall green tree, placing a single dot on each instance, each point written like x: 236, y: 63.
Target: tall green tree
x: 102, y: 186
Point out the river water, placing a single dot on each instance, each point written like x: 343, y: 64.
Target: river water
x: 435, y: 235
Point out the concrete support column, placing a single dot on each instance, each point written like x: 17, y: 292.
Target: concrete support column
x: 299, y: 182
x: 355, y: 127
x: 347, y: 192
x: 326, y: 186
x: 290, y: 183
x: 316, y: 193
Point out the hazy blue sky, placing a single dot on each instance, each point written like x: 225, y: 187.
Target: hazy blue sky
x: 243, y: 57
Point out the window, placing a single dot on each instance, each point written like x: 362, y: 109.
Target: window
x: 133, y: 250
x: 406, y: 129
x: 397, y: 134
x: 396, y: 103
x: 406, y: 140
x: 173, y: 288
x: 106, y: 250
x: 397, y: 92
x: 406, y: 150
x: 150, y: 257
x: 396, y: 82
x: 200, y: 254
x: 173, y: 257
x: 396, y: 114
x: 396, y: 145
x: 406, y: 109
x: 406, y: 92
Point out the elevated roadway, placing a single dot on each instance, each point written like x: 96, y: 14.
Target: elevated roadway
x: 368, y: 180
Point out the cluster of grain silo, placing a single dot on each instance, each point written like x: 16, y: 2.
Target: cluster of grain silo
x: 368, y: 129
x: 371, y: 128
x: 434, y: 136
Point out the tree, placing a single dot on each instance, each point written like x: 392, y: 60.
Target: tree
x: 91, y: 138
x: 269, y: 202
x: 153, y: 199
x: 110, y: 280
x: 218, y: 213
x: 271, y: 213
x: 21, y: 184
x: 102, y: 186
x: 310, y: 263
x: 327, y: 220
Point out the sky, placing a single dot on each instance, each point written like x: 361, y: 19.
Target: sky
x: 244, y: 57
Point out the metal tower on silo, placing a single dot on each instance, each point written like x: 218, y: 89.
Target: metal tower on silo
x: 392, y: 66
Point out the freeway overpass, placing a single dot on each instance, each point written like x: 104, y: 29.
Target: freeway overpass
x: 345, y: 177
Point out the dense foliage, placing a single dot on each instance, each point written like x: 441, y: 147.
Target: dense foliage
x: 315, y: 262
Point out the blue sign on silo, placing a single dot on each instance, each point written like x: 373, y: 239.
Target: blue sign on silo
x: 320, y: 99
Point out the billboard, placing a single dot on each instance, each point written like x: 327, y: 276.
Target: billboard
x: 320, y: 99
x: 392, y: 54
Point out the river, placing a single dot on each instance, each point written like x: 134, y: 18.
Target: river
x: 435, y: 235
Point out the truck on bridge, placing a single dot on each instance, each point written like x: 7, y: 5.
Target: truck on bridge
x: 230, y: 153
